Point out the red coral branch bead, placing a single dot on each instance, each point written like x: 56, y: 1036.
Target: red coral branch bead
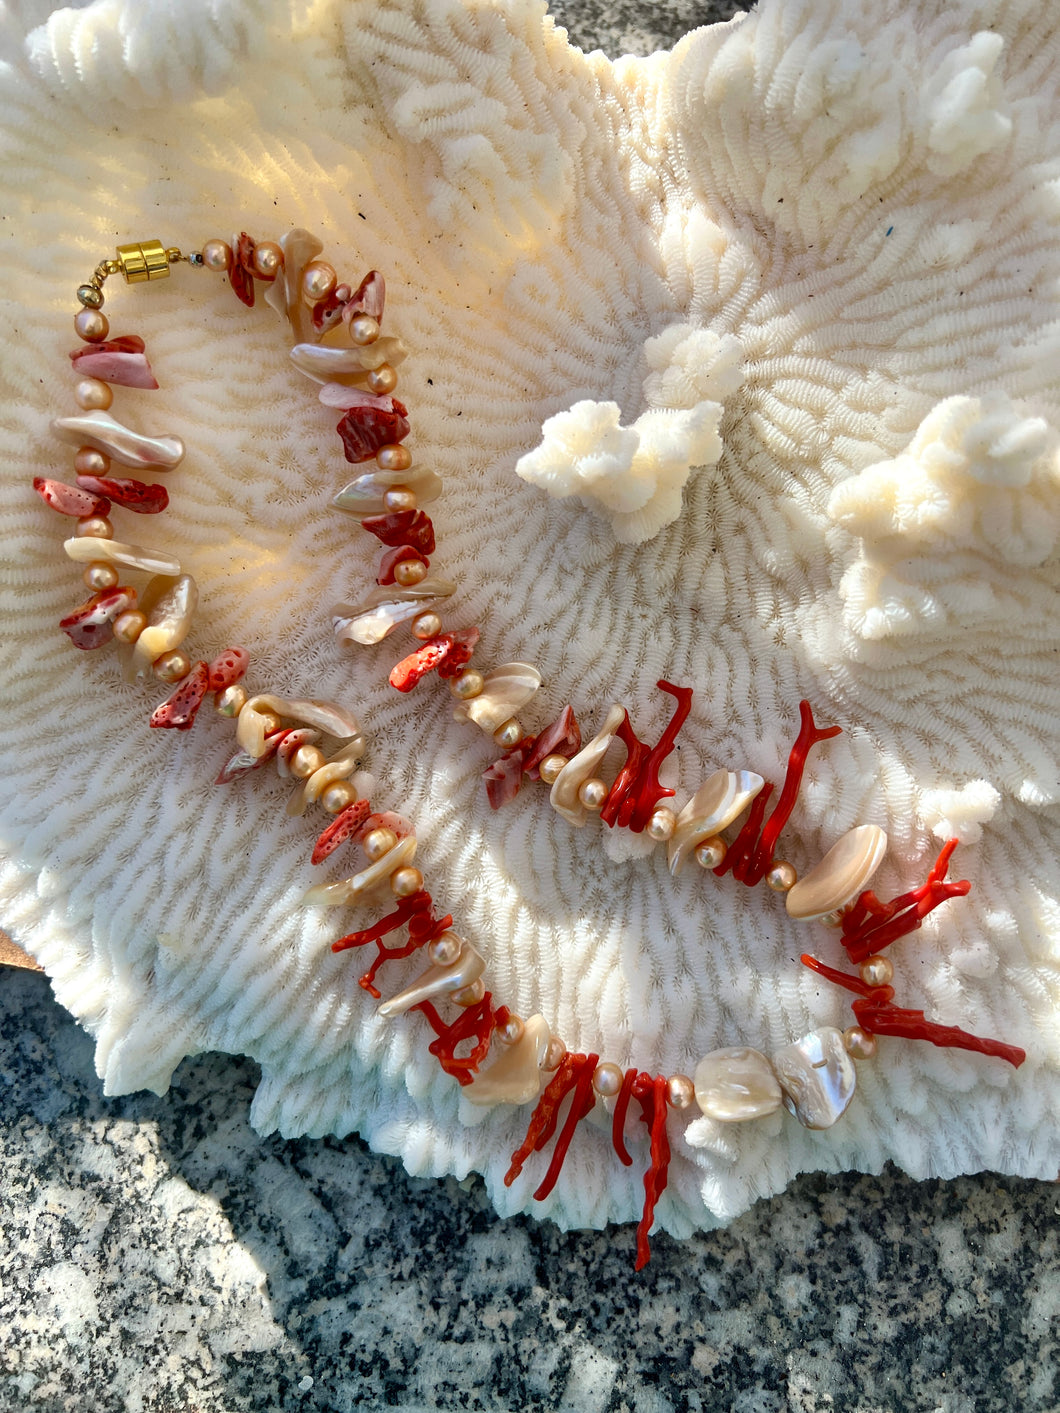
x: 869, y: 925
x: 402, y: 527
x: 618, y: 1119
x: 575, y: 1073
x: 365, y: 429
x: 636, y: 790
x: 650, y: 1094
x: 479, y: 1020
x: 126, y: 491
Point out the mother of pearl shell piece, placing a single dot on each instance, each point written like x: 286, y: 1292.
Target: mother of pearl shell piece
x: 83, y: 549
x: 250, y: 730
x: 564, y: 796
x: 348, y: 890
x: 121, y: 443
x: 843, y: 872
x: 716, y: 803
x: 384, y: 608
x: 507, y: 688
x: 325, y: 363
x: 515, y: 1075
x: 735, y: 1084
x: 170, y: 605
x: 437, y: 980
x: 817, y: 1077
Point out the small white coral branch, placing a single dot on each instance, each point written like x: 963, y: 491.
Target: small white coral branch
x: 952, y: 813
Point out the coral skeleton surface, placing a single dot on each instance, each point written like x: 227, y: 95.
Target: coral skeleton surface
x: 740, y: 366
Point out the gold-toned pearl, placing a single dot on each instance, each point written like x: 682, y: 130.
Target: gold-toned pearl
x: 270, y: 722
x: 306, y: 761
x: 661, y: 825
x: 409, y: 571
x: 509, y: 734
x: 554, y: 1054
x: 230, y: 701
x: 399, y: 498
x: 711, y: 853
x: 91, y: 326
x: 511, y: 1032
x: 781, y: 877
x: 393, y: 457
x: 550, y: 768
x: 337, y: 796
x: 99, y: 575
x: 467, y: 684
x: 859, y: 1044
x: 318, y: 281
x: 217, y: 256
x: 382, y: 379
x: 469, y: 995
x: 129, y: 625
x: 172, y: 667
x: 268, y: 259
x: 680, y: 1091
x: 90, y: 462
x: 607, y: 1079
x: 444, y: 950
x: 90, y: 296
x: 96, y: 527
x: 364, y: 329
x: 876, y: 971
x: 427, y: 625
x: 593, y: 793
x: 378, y: 842
x: 93, y: 394
x: 405, y: 881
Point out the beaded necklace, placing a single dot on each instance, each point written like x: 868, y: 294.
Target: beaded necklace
x: 495, y: 1055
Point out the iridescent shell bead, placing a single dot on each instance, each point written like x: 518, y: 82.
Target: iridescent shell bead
x: 735, y: 1084
x: 817, y: 1076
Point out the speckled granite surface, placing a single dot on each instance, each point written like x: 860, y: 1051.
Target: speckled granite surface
x: 157, y: 1256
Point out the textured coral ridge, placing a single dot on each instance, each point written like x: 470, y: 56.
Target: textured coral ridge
x: 813, y: 252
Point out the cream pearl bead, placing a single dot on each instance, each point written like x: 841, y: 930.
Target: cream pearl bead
x: 318, y: 281
x: 405, y: 881
x: 99, y: 575
x: 427, y: 625
x: 468, y: 684
x: 306, y: 761
x: 593, y: 793
x: 661, y: 825
x: 90, y: 462
x: 444, y: 950
x: 607, y: 1079
x: 554, y: 1054
x: 393, y: 457
x: 859, y: 1044
x: 91, y: 326
x: 509, y: 734
x: 93, y: 394
x: 409, y: 571
x: 711, y: 852
x: 469, y: 995
x: 96, y: 527
x: 512, y: 1031
x: 337, y: 796
x: 876, y: 971
x: 172, y: 667
x: 382, y: 380
x: 378, y: 842
x: 550, y: 768
x: 230, y: 701
x: 343, y: 293
x: 399, y: 498
x: 129, y: 625
x: 217, y: 256
x: 270, y: 722
x: 782, y: 877
x: 680, y: 1091
x: 268, y: 259
x: 364, y: 329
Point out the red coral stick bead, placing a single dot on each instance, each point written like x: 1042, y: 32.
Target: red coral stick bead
x: 636, y: 790
x: 651, y: 1096
x: 618, y: 1119
x: 345, y: 823
x: 479, y: 1020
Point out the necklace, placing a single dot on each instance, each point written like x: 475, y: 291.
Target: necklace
x: 495, y: 1055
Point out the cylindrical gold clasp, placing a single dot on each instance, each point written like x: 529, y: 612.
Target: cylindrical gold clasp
x: 144, y: 260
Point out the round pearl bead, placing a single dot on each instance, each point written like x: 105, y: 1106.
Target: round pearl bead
x: 550, y: 768
x: 270, y: 722
x: 230, y: 701
x: 661, y: 825
x: 172, y: 667
x: 399, y: 498
x: 593, y: 793
x: 467, y: 685
x: 444, y: 950
x: 99, y: 575
x: 93, y: 395
x: 337, y: 796
x: 378, y: 842
x: 511, y: 1032
x: 318, y: 281
x: 409, y: 571
x: 89, y: 297
x: 91, y: 326
x: 782, y: 877
x: 680, y: 1091
x: 90, y: 462
x: 306, y: 761
x: 129, y: 625
x: 427, y: 625
x: 268, y: 259
x: 96, y: 527
x: 509, y: 734
x: 554, y: 1054
x: 393, y: 457
x: 607, y: 1079
x: 711, y: 853
x: 382, y: 379
x: 876, y: 971
x: 405, y: 881
x: 860, y: 1044
x: 364, y: 329
x: 217, y: 256
x: 469, y: 995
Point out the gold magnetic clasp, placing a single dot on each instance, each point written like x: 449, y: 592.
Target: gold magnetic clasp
x: 144, y: 260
